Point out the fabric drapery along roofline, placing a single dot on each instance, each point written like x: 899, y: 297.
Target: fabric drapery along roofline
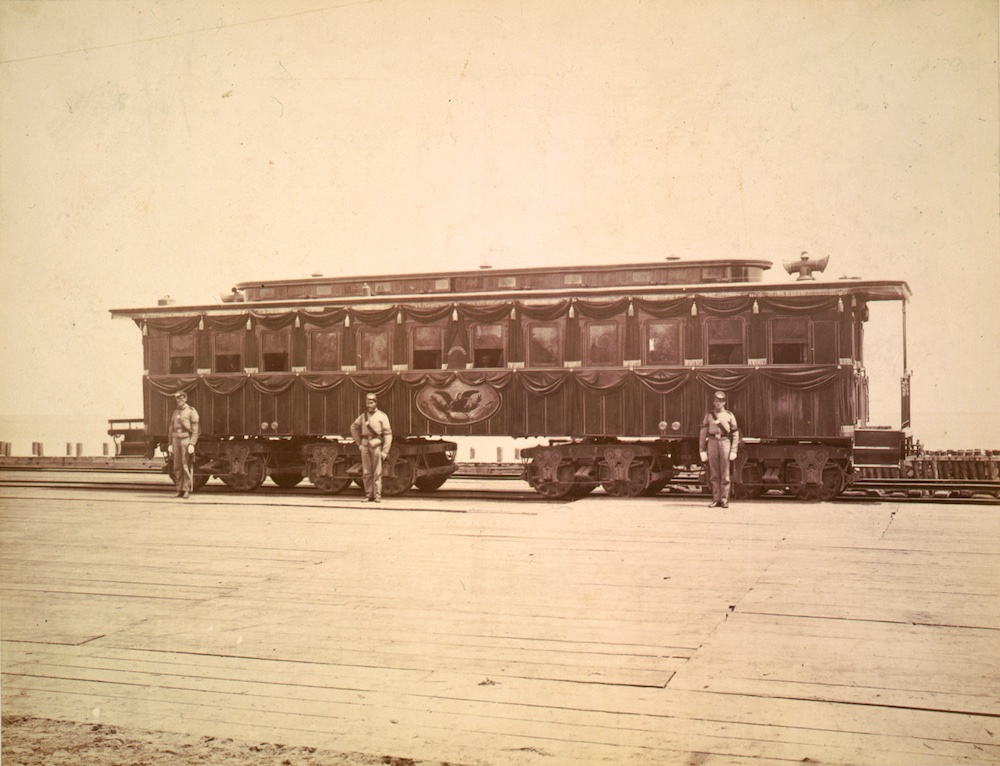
x: 716, y: 306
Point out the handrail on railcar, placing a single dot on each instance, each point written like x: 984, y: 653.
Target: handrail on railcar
x: 123, y: 425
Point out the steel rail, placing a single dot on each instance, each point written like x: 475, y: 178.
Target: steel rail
x: 862, y: 490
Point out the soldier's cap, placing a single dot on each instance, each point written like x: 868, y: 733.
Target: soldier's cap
x: 181, y: 393
x: 720, y: 395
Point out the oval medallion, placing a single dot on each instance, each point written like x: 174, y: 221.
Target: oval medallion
x: 457, y: 403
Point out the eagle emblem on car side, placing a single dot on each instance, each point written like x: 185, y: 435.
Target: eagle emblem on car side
x: 457, y: 403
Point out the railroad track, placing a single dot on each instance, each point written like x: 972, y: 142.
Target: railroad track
x: 968, y: 490
x: 490, y: 484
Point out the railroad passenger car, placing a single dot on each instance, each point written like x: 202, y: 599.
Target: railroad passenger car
x: 615, y: 364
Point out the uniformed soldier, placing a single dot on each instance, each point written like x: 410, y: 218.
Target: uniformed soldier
x: 373, y: 434
x: 184, y: 431
x: 718, y: 441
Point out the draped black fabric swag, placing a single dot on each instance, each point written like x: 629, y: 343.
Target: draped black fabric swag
x: 515, y: 311
x: 573, y: 395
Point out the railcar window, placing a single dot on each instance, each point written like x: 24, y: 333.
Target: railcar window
x: 487, y: 345
x: 602, y: 347
x: 685, y: 276
x: 427, y: 348
x: 181, y: 354
x: 274, y: 347
x: 544, y: 346
x: 324, y: 350
x: 229, y: 352
x: 374, y: 349
x: 663, y: 342
x: 789, y: 340
x: 713, y: 274
x: 724, y: 340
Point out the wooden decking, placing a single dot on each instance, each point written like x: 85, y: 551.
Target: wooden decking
x: 476, y: 630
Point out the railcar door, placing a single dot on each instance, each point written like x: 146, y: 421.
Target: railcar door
x: 274, y: 413
x: 275, y: 385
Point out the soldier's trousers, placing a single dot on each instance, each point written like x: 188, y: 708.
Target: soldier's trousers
x: 371, y: 468
x: 183, y: 463
x: 718, y: 468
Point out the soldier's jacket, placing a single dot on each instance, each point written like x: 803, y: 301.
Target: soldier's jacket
x: 374, y: 427
x: 184, y: 422
x: 718, y: 425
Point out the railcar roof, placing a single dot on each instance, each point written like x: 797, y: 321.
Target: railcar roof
x: 673, y: 265
x: 867, y: 290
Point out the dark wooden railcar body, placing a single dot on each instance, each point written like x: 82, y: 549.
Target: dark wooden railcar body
x: 616, y: 364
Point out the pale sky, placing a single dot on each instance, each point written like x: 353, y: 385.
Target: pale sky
x: 154, y: 148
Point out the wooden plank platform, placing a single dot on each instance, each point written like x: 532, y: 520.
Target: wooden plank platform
x: 485, y: 631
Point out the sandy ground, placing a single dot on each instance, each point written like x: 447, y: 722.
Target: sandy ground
x: 41, y: 742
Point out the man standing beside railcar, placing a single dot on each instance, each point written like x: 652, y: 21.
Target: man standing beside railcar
x: 718, y: 440
x: 184, y: 431
x: 373, y: 434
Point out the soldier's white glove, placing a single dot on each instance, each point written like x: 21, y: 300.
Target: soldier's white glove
x: 190, y: 449
x: 704, y: 457
x: 170, y: 449
x: 385, y: 455
x: 732, y: 455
